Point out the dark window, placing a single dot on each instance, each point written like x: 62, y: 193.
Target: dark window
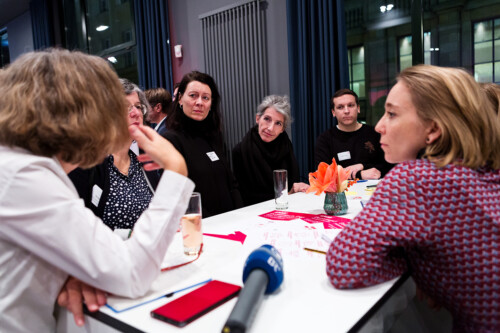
x: 104, y: 28
x: 4, y: 48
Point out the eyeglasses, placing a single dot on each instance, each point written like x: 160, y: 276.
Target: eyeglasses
x: 141, y: 107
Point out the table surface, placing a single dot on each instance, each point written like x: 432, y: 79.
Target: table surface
x: 306, y: 301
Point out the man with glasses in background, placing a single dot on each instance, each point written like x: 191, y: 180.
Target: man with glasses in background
x: 354, y: 146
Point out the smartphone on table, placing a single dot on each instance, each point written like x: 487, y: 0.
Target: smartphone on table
x: 196, y: 303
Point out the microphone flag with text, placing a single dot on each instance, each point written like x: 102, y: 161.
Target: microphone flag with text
x: 262, y: 274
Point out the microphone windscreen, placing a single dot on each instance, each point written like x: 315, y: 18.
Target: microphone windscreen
x: 267, y: 258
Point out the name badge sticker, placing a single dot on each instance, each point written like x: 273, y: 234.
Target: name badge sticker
x: 345, y: 155
x: 96, y: 195
x: 212, y: 156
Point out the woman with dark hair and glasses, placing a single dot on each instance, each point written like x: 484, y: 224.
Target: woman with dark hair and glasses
x: 119, y: 189
x: 194, y: 127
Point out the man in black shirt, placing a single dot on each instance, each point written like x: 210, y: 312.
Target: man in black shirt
x: 354, y: 146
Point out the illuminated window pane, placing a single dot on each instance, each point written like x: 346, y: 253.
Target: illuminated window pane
x: 427, y: 58
x: 497, y: 29
x: 358, y: 72
x: 483, y: 52
x: 405, y: 62
x: 497, y: 72
x: 483, y: 72
x: 405, y: 46
x: 358, y: 55
x: 427, y: 41
x: 359, y: 88
x: 482, y: 31
x: 497, y: 49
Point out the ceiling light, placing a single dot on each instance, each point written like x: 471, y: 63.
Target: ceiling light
x: 112, y: 60
x: 383, y: 9
x: 101, y: 28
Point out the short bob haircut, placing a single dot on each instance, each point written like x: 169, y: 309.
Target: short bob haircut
x: 214, y: 117
x: 280, y: 104
x: 343, y: 92
x: 470, y: 131
x: 65, y: 104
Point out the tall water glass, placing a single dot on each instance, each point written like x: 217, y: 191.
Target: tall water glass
x: 281, y: 189
x: 192, y: 235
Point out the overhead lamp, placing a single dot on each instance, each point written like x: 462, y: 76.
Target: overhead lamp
x: 101, y: 28
x: 386, y: 8
x: 112, y: 60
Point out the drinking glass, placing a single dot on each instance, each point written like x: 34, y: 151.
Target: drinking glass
x: 192, y: 235
x: 281, y: 189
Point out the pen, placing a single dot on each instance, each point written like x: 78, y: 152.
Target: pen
x: 362, y: 181
x: 371, y: 186
x: 313, y: 250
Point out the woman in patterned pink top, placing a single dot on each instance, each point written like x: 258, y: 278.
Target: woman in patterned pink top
x: 437, y: 217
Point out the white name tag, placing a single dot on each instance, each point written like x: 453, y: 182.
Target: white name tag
x: 345, y: 155
x: 96, y: 195
x: 213, y: 156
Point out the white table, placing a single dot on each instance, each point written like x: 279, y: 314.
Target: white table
x: 306, y: 302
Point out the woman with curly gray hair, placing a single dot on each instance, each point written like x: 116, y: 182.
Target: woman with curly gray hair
x: 264, y: 148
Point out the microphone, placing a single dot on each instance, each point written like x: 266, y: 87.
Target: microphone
x: 263, y: 273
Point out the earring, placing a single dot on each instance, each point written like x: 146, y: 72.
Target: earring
x: 182, y: 108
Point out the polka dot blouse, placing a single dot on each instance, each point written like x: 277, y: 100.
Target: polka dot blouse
x: 129, y: 195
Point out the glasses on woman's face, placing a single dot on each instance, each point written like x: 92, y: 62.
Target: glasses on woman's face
x: 139, y: 107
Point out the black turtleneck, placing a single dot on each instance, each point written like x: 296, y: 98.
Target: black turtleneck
x: 202, y: 149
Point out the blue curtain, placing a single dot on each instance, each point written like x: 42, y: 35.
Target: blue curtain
x: 41, y: 18
x: 317, y: 55
x: 153, y: 48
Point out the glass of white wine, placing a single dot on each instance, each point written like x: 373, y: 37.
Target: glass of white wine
x: 192, y: 235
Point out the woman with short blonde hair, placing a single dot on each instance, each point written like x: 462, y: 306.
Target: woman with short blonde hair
x: 451, y: 98
x: 438, y: 216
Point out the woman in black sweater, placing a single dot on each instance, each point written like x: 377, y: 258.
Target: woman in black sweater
x: 266, y: 147
x: 194, y: 127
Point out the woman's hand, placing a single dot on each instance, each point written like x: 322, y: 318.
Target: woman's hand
x: 159, y: 151
x: 74, y: 292
x: 372, y: 173
x: 298, y: 187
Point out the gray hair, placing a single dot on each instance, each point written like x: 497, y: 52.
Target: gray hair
x: 129, y: 87
x: 280, y: 104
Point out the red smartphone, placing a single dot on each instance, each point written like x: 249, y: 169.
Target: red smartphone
x: 196, y: 303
